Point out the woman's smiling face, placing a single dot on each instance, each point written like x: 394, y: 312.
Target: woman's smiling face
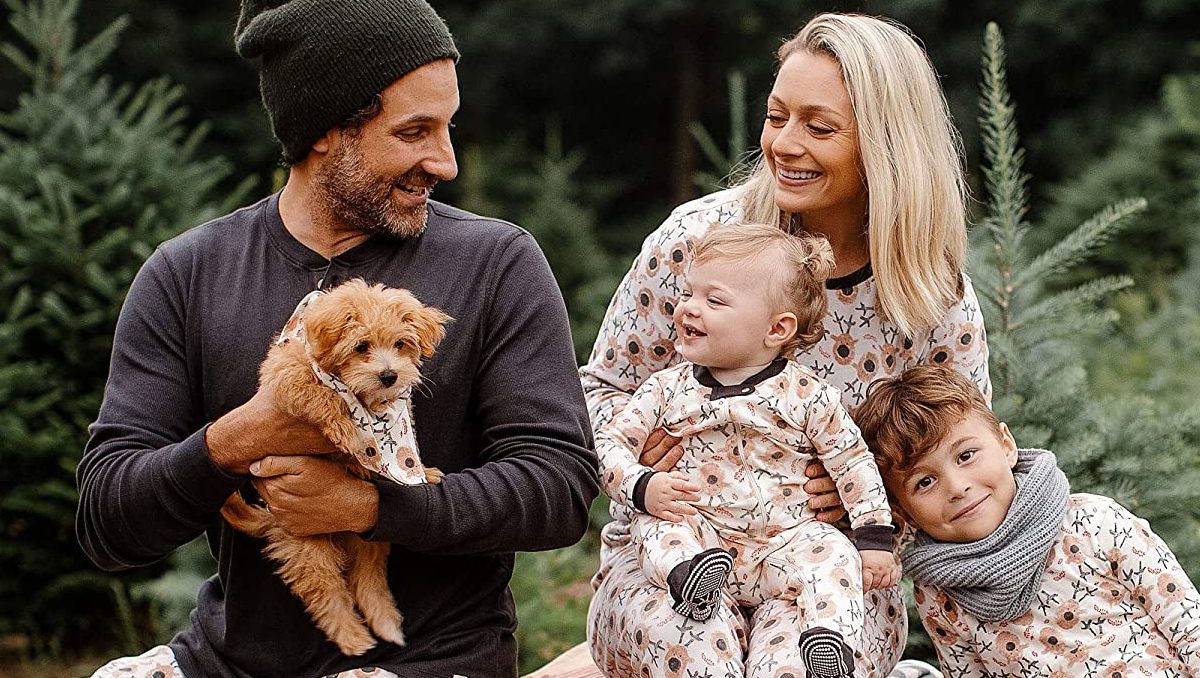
x: 810, y: 141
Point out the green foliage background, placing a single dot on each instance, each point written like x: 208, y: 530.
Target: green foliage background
x: 585, y: 121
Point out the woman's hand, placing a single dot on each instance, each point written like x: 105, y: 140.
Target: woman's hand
x: 668, y: 496
x: 661, y: 451
x: 822, y: 493
x: 879, y: 570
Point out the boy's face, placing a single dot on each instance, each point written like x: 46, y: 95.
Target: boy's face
x: 962, y: 490
x: 724, y: 317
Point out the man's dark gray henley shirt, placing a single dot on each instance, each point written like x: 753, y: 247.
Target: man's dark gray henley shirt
x: 503, y: 416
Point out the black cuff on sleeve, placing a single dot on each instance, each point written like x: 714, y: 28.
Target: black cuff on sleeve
x: 873, y: 538
x: 639, y: 490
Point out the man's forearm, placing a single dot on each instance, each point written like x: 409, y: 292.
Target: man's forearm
x: 137, y: 503
x: 258, y: 429
x: 232, y: 439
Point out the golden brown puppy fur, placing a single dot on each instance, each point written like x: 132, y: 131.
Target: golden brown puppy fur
x: 356, y: 332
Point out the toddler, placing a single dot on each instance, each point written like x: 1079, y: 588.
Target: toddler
x: 733, y: 517
x: 1014, y: 574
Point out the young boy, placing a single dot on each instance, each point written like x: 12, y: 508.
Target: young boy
x: 750, y: 419
x: 1014, y: 574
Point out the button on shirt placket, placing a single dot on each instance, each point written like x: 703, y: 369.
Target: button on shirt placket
x: 336, y: 273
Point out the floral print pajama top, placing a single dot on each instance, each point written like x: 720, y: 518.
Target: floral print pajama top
x: 1114, y: 603
x: 747, y: 446
x: 637, y: 337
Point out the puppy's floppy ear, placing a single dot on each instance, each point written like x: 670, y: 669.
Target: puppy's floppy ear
x: 431, y: 327
x: 325, y: 319
x: 426, y: 321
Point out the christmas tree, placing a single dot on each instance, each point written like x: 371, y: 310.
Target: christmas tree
x: 92, y: 177
x: 1143, y: 453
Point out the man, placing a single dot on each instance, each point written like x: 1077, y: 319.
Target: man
x: 361, y: 97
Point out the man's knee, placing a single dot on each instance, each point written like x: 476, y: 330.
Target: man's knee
x: 157, y: 662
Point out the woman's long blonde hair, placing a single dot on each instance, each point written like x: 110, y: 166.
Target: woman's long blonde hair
x: 912, y: 159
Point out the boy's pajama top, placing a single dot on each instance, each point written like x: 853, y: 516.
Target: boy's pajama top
x: 1114, y: 602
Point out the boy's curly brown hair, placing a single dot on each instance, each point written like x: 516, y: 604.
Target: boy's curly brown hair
x: 905, y: 417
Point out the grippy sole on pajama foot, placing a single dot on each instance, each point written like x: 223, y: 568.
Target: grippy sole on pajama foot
x: 700, y: 593
x: 825, y: 653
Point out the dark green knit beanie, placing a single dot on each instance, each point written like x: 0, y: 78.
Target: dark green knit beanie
x: 324, y: 60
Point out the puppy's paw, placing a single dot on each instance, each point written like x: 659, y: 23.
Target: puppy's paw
x: 388, y: 626
x: 433, y: 476
x: 353, y: 639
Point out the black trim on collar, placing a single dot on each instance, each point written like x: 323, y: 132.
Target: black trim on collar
x: 850, y: 279
x: 719, y: 390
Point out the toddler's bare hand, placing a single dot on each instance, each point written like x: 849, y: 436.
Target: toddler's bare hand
x: 879, y: 570
x: 668, y: 496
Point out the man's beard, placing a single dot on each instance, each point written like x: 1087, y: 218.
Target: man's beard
x: 350, y: 195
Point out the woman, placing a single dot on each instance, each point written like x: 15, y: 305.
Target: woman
x: 857, y: 146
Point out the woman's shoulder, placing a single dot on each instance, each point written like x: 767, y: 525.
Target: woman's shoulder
x: 695, y: 216
x: 723, y: 200
x: 671, y: 243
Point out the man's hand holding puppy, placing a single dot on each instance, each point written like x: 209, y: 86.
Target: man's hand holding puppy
x: 259, y: 429
x: 307, y: 494
x: 315, y: 495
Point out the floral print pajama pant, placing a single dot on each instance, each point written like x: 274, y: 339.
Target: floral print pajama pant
x: 159, y: 662
x: 633, y: 631
x: 813, y: 565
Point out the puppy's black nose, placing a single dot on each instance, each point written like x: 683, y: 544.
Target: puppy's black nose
x: 388, y: 377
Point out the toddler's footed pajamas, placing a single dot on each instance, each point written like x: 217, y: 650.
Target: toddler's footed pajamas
x: 747, y: 446
x: 635, y: 341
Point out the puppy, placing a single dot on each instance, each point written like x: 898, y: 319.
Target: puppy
x: 346, y: 362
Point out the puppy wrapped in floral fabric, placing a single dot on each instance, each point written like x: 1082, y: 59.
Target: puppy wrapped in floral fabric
x: 750, y: 420
x: 346, y: 362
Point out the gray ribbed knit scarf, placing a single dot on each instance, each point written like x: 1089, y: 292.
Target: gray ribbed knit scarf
x: 997, y: 577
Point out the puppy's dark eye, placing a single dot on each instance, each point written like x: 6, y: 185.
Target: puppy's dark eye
x: 362, y: 347
x: 399, y: 344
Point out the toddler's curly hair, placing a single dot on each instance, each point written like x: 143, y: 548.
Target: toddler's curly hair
x: 802, y: 263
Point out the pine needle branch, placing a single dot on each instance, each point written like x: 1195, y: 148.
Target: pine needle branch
x: 1090, y: 236
x: 1054, y: 308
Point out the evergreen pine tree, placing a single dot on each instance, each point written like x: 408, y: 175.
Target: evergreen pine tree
x: 92, y: 177
x: 738, y: 147
x: 565, y: 227
x: 1157, y: 156
x: 1144, y: 454
x: 546, y: 199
